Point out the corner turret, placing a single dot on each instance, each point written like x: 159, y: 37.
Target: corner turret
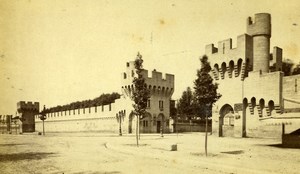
x: 27, y: 112
x: 260, y: 30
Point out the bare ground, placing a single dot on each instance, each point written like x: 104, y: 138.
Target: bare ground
x: 101, y: 153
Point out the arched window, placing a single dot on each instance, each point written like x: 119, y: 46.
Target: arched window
x: 271, y: 106
x: 239, y: 63
x: 231, y: 68
x: 261, y: 106
x: 223, y: 69
x: 216, y: 70
x: 216, y: 67
x: 253, y: 104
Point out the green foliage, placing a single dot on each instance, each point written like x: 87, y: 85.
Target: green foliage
x: 141, y: 93
x: 173, y: 109
x: 103, y: 99
x: 186, y: 106
x: 287, y: 65
x: 205, y: 90
x: 296, y: 69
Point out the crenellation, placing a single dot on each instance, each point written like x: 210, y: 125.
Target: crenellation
x: 155, y: 78
x: 156, y: 75
x: 260, y: 26
x: 226, y: 53
x: 225, y: 45
x: 210, y: 49
x: 169, y: 77
x: 249, y: 21
x: 277, y: 58
x: 101, y: 111
x: 22, y: 105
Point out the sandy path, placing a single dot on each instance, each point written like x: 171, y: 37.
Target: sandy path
x: 97, y: 153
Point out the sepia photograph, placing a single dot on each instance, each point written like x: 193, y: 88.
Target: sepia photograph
x: 149, y: 87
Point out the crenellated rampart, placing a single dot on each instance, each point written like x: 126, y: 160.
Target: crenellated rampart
x: 158, y: 83
x: 98, y: 118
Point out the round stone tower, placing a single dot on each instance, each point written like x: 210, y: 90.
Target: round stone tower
x: 260, y: 30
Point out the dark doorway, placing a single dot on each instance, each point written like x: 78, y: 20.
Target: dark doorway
x: 158, y: 124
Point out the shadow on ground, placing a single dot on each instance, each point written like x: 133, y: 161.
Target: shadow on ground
x: 89, y: 172
x: 136, y: 145
x: 24, y: 156
x: 203, y: 154
x: 12, y: 145
x: 281, y: 146
x: 235, y: 152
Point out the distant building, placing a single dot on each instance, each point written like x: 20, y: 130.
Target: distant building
x: 255, y: 102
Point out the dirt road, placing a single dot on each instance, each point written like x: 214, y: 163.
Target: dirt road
x: 99, y: 153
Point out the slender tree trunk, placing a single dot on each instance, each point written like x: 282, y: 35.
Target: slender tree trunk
x: 139, y: 130
x: 206, y: 134
x: 43, y: 128
x: 136, y: 131
x: 120, y: 127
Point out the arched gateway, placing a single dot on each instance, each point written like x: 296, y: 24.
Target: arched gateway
x: 226, y: 118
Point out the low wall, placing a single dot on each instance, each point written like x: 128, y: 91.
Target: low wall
x: 186, y: 127
x: 13, y: 129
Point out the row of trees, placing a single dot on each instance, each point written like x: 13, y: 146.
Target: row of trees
x: 289, y: 67
x: 187, y: 106
x: 197, y: 104
x: 103, y: 99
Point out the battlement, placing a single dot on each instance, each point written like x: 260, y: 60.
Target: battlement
x: 86, y: 112
x: 261, y: 25
x: 225, y: 46
x: 22, y: 105
x: 156, y: 78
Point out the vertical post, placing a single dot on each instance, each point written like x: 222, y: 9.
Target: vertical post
x: 137, y: 132
x: 120, y: 128
x: 43, y: 128
x: 283, y: 132
x: 139, y: 129
x: 16, y: 128
x: 162, y: 127
x: 176, y: 125
x: 206, y: 134
x: 190, y: 124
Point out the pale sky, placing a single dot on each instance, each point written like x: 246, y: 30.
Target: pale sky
x: 60, y: 51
